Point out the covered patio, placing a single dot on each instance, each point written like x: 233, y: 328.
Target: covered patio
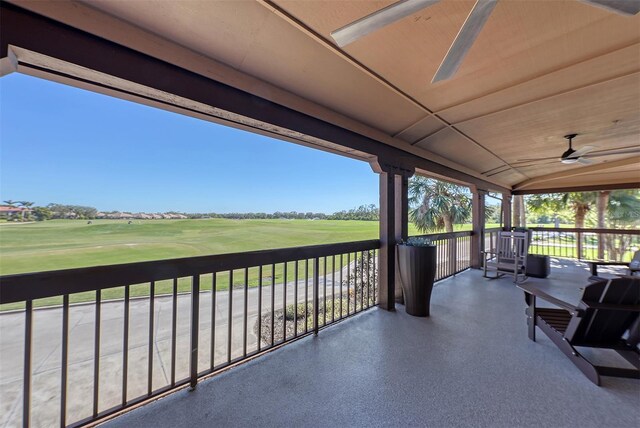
x: 537, y: 72
x: 469, y: 364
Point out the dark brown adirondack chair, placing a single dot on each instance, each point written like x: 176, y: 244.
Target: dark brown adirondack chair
x: 606, y: 317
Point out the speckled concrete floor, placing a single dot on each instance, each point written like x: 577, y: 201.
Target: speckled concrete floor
x: 469, y: 364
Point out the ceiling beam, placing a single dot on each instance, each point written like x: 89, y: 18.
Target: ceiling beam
x: 593, y: 188
x: 576, y: 171
x: 533, y: 78
x: 549, y: 96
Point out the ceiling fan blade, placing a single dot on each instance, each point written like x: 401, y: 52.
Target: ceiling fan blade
x: 464, y: 40
x: 614, y: 152
x: 582, y: 151
x: 378, y: 19
x: 623, y: 7
x: 533, y: 160
x: 584, y: 161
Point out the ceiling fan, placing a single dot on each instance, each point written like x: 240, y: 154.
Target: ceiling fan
x: 467, y: 34
x: 583, y: 155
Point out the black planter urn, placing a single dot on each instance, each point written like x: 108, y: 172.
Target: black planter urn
x: 417, y: 269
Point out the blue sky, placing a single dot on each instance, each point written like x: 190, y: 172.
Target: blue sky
x: 67, y: 145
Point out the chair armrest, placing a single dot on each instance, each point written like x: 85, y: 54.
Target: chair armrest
x: 544, y: 296
x: 612, y: 306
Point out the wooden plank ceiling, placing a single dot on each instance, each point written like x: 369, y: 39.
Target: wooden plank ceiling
x: 538, y: 70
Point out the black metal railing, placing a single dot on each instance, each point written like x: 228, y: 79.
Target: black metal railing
x: 236, y: 306
x: 585, y: 244
x: 453, y: 252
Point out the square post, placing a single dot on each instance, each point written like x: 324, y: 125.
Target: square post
x: 478, y: 220
x: 387, y: 258
x: 506, y: 211
x: 394, y: 225
x: 401, y: 223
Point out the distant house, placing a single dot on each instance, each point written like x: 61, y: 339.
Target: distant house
x: 120, y: 216
x: 156, y: 216
x: 7, y: 211
x: 101, y: 215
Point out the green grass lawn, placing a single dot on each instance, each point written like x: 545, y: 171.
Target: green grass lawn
x: 63, y: 244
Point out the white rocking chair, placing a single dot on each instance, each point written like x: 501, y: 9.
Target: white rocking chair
x: 510, y: 257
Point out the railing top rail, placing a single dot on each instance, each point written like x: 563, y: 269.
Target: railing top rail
x: 21, y: 287
x: 493, y: 229
x: 585, y: 230
x: 445, y: 235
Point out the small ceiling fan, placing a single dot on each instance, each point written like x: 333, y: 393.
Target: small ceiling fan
x: 583, y: 155
x: 467, y: 34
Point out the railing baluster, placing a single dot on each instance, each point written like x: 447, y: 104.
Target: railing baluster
x: 376, y: 253
x: 152, y: 290
x: 96, y: 353
x: 259, y: 308
x: 368, y: 278
x: 229, y: 317
x: 579, y: 245
x: 341, y: 296
x: 246, y: 309
x: 214, y: 278
x: 360, y: 278
x: 324, y: 292
x: 306, y: 295
x: 454, y: 242
x: 361, y: 270
x: 273, y: 301
x: 333, y: 287
x: 348, y: 283
x: 295, y: 301
x: 365, y: 281
x: 284, y: 304
x: 26, y: 382
x: 125, y: 346
x: 195, y: 324
x: 316, y: 294
x: 174, y: 328
x: 65, y: 360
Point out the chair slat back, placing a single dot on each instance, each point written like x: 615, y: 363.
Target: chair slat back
x: 605, y: 326
x: 512, y: 245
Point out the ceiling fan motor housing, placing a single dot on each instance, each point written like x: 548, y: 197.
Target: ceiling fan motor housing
x: 565, y: 158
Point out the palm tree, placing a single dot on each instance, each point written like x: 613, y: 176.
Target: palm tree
x: 623, y: 210
x: 519, y: 217
x: 578, y: 202
x: 25, y: 205
x: 437, y: 205
x: 621, y: 206
x: 10, y: 202
x: 601, y: 206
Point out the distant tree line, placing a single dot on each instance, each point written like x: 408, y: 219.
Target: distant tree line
x: 363, y: 212
x: 80, y: 212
